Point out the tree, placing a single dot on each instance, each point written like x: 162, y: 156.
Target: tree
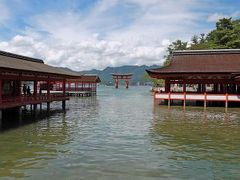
x: 195, y: 40
x: 226, y: 35
x: 155, y: 82
x: 176, y: 45
x: 202, y: 38
x: 224, y: 24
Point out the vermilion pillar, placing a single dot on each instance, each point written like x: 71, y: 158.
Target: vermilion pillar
x: 116, y: 82
x: 64, y: 94
x: 48, y: 95
x: 127, y: 83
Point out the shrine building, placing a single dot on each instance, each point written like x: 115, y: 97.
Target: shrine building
x: 21, y: 78
x: 86, y: 85
x: 204, y: 76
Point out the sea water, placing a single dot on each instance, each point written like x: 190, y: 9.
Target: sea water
x: 122, y: 134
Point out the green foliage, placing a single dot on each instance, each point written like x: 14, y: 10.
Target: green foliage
x: 156, y: 82
x: 177, y: 45
x: 226, y: 35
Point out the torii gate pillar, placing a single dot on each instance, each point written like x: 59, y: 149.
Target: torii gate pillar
x: 127, y: 83
x: 116, y: 83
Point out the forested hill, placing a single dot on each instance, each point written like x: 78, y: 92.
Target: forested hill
x: 139, y: 73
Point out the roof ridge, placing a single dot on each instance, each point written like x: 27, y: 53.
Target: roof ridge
x: 26, y: 58
x: 206, y: 51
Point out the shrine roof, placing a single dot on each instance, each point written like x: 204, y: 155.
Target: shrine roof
x: 88, y: 78
x: 202, y: 61
x: 24, y: 63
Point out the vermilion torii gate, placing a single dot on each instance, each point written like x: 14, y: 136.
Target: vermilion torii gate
x: 126, y: 77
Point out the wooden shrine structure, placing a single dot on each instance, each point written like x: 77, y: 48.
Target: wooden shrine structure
x: 86, y: 85
x: 203, y: 76
x: 20, y: 77
x: 125, y: 77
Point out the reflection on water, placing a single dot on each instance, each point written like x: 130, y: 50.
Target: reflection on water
x: 121, y: 134
x: 30, y: 146
x: 206, y: 143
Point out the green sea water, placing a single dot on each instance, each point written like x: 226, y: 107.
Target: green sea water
x: 122, y: 134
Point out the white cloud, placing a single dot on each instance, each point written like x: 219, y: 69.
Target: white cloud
x: 216, y: 16
x: 103, y: 37
x: 85, y: 54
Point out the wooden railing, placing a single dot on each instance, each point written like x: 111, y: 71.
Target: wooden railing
x: 8, y: 102
x: 77, y: 89
x: 204, y: 97
x: 197, y: 96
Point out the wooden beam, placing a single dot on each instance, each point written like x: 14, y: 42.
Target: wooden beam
x: 0, y: 91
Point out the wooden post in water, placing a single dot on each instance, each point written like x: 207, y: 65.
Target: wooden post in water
x: 20, y: 115
x: 226, y: 103
x: 40, y: 107
x: 35, y: 110
x: 64, y: 94
x: 0, y: 103
x: 184, y: 94
x: 48, y: 95
x: 0, y: 119
x: 31, y: 109
x: 169, y: 99
x: 205, y: 101
x: 48, y: 107
x: 184, y: 101
x: 63, y: 105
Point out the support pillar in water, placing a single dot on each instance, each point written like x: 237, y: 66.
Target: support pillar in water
x: 63, y: 105
x: 40, y: 107
x: 0, y: 119
x: 35, y: 110
x: 127, y: 83
x: 116, y: 83
x: 20, y: 114
x: 48, y: 107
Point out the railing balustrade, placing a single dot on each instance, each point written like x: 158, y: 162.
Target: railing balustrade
x: 197, y: 96
x: 23, y: 100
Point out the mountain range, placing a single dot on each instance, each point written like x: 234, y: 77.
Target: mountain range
x: 138, y: 78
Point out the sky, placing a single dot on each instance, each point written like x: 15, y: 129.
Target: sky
x: 95, y: 34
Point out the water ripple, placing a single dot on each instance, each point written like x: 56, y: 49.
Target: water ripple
x: 121, y: 134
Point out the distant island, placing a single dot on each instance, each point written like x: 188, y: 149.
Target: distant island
x: 139, y: 74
